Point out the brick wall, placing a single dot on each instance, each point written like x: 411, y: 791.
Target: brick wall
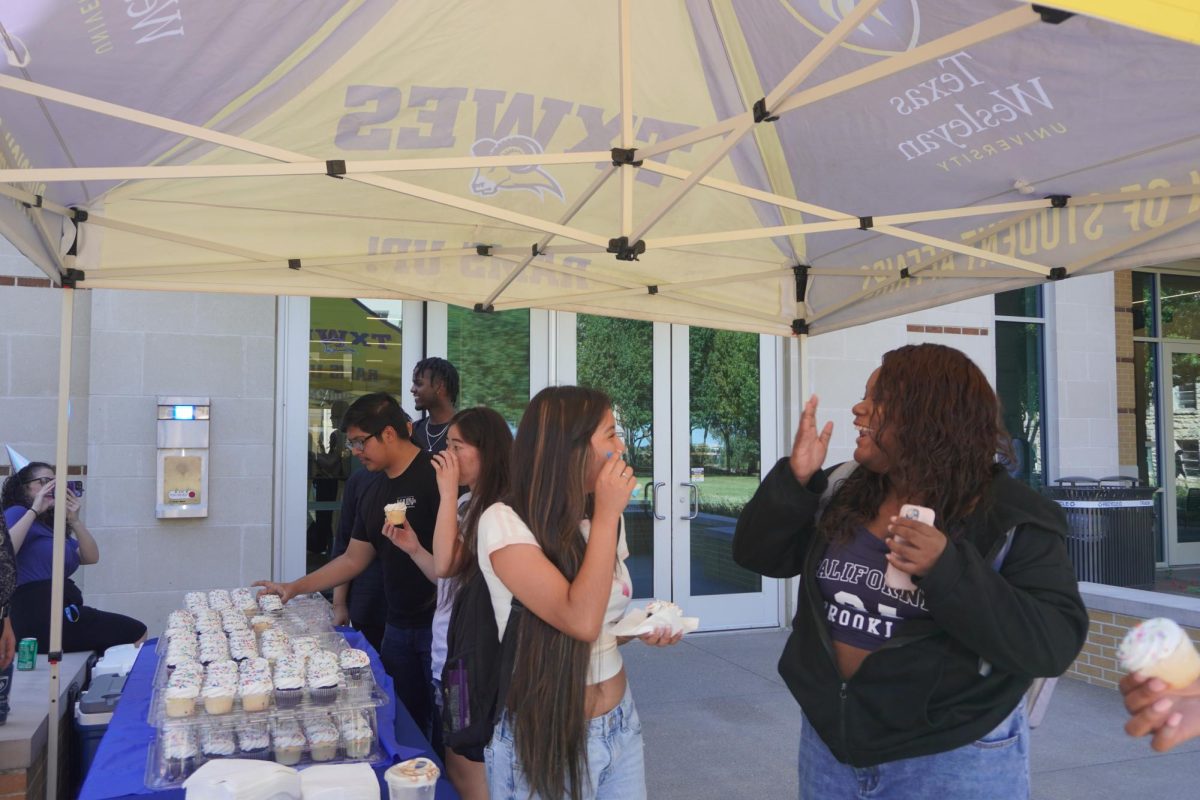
x: 1097, y: 664
x: 30, y: 784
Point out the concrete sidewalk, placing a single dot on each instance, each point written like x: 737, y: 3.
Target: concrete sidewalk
x: 719, y: 725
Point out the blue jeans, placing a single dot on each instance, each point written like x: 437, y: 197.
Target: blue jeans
x: 994, y: 768
x: 405, y: 657
x: 616, y: 769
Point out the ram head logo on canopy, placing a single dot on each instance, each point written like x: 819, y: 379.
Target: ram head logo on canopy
x: 532, y: 178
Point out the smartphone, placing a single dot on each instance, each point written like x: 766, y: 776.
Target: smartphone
x: 919, y: 513
x: 896, y: 578
x: 76, y: 488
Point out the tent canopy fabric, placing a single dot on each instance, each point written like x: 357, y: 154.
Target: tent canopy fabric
x: 781, y: 166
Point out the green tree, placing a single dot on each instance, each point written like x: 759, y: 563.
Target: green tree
x: 491, y: 353
x: 617, y: 357
x: 728, y: 396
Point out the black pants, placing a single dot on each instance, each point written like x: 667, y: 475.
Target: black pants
x: 84, y: 628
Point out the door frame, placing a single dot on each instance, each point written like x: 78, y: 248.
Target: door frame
x: 1176, y: 553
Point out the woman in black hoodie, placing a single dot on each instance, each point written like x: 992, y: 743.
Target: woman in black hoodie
x: 911, y: 683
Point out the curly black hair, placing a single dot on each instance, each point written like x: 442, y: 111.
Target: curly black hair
x: 442, y: 371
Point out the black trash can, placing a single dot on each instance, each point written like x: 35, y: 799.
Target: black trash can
x: 1111, y: 525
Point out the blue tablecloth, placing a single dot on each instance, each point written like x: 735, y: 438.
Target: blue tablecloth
x: 118, y: 770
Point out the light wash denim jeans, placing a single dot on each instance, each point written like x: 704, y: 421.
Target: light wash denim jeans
x: 994, y: 768
x: 616, y: 769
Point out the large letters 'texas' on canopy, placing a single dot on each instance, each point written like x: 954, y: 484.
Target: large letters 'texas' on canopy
x: 769, y: 165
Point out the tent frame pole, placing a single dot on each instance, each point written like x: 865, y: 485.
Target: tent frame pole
x: 746, y: 121
x: 57, y: 576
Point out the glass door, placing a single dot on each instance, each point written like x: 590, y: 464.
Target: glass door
x: 1183, y: 440
x: 690, y: 403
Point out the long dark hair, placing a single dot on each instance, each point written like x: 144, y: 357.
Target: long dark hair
x: 486, y: 431
x: 549, y: 493
x: 945, y: 421
x: 14, y: 494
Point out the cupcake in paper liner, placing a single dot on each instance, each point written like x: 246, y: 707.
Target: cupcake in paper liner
x: 322, y: 738
x: 244, y: 600
x: 1159, y: 648
x: 305, y: 645
x: 357, y: 735
x: 287, y: 741
x: 255, y: 685
x: 180, y: 619
x: 323, y: 685
x: 254, y: 741
x: 218, y: 695
x: 180, y: 753
x: 355, y: 663
x: 270, y: 603
x: 182, y: 649
x: 180, y: 699
x: 289, y: 689
x: 242, y: 645
x: 213, y: 647
x: 207, y: 621
x: 217, y: 742
x: 195, y: 601
x: 219, y: 599
x: 260, y: 622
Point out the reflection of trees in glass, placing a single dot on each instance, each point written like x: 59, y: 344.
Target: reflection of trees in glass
x: 617, y: 356
x: 1019, y: 387
x: 1180, y: 306
x: 491, y: 352
x: 724, y: 389
x: 1145, y: 377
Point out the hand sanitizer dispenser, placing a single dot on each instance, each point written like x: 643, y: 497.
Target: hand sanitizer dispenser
x: 182, y: 482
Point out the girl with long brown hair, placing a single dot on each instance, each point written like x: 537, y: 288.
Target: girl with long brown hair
x: 477, y: 457
x: 569, y: 728
x: 914, y: 687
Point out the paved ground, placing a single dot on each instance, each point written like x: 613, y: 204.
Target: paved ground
x: 719, y: 725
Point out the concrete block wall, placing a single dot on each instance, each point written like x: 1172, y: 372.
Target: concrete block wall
x: 1086, y: 356
x: 146, y: 344
x: 840, y: 362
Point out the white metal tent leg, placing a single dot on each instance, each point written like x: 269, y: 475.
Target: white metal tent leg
x: 57, y: 578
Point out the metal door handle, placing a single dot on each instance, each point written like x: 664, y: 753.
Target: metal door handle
x: 654, y: 500
x: 694, y: 495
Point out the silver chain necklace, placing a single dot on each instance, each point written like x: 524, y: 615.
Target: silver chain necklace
x: 433, y: 440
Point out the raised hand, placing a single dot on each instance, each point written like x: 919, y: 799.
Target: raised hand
x: 44, y: 498
x: 809, y: 448
x: 284, y: 590
x: 614, y: 487
x: 445, y: 465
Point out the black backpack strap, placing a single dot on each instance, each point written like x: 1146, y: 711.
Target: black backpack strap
x: 508, y: 656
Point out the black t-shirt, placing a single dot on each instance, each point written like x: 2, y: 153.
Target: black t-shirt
x: 410, y: 596
x: 431, y: 441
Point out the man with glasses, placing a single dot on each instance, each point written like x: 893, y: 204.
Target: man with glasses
x: 377, y: 432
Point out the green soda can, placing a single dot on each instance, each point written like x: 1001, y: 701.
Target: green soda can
x: 27, y: 654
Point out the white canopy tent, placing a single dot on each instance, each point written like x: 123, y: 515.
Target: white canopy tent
x: 776, y: 166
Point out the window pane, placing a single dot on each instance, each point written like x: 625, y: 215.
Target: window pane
x: 616, y: 356
x: 1185, y: 442
x: 1019, y: 375
x: 1180, y: 306
x: 1143, y: 305
x: 724, y: 447
x: 1025, y: 302
x: 354, y: 349
x: 1145, y: 394
x: 491, y: 353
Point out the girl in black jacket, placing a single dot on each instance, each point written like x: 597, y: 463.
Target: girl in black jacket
x: 915, y: 692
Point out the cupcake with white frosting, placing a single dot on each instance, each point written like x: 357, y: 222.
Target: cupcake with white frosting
x: 1159, y: 648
